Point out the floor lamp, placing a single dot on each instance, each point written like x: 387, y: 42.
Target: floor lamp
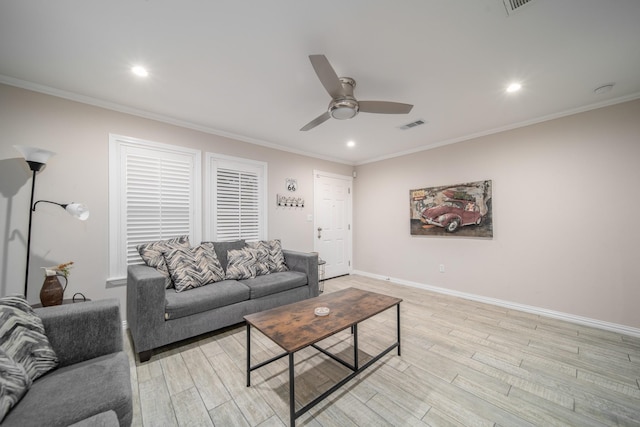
x: 37, y: 158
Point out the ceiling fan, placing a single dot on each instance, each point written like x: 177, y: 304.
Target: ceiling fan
x: 343, y: 105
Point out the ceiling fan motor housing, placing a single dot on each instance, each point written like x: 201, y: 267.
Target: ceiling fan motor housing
x: 346, y: 106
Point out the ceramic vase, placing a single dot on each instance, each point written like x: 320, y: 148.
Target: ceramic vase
x: 51, y: 292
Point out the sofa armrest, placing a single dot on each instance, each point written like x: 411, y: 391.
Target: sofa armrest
x: 145, y: 306
x: 306, y: 263
x: 83, y: 330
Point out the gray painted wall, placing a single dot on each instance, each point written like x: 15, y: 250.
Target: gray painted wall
x: 565, y: 209
x: 564, y: 206
x: 79, y: 134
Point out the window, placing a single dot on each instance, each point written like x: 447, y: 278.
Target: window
x: 154, y: 194
x: 236, y: 191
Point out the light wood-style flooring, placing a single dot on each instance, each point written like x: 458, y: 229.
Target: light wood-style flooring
x: 463, y: 363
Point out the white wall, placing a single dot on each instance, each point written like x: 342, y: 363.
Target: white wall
x: 565, y: 212
x: 79, y: 134
x: 564, y: 207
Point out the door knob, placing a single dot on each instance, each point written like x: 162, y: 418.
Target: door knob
x: 319, y: 232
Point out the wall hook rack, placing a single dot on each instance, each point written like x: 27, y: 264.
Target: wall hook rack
x: 289, y: 201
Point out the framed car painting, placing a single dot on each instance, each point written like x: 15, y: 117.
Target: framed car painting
x: 452, y: 210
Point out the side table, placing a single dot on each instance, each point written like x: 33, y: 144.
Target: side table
x: 321, y: 264
x: 64, y: 301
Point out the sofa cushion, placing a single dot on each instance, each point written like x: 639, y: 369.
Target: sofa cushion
x: 14, y: 383
x: 242, y: 263
x: 275, y: 282
x: 75, y: 392
x: 222, y: 248
x: 152, y: 254
x: 23, y: 339
x: 193, y: 267
x: 205, y: 298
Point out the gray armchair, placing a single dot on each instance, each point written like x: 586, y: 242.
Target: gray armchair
x: 92, y: 380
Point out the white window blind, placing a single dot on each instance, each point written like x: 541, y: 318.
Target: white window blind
x: 154, y: 195
x: 237, y: 191
x: 157, y: 201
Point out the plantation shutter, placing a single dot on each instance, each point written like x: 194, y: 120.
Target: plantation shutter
x: 154, y: 194
x: 237, y: 208
x: 158, y: 201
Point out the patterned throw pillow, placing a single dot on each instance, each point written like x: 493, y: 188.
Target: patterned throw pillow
x: 152, y: 254
x: 242, y: 263
x: 14, y: 383
x: 276, y: 257
x: 193, y: 267
x: 263, y: 263
x: 23, y: 339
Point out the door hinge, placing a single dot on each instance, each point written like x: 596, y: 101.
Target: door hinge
x: 349, y: 263
x: 348, y: 190
x: 348, y: 226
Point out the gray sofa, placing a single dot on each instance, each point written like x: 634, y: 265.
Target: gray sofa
x: 157, y: 316
x: 92, y: 384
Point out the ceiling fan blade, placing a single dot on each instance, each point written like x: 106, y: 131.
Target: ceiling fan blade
x: 327, y: 75
x: 384, y: 107
x: 315, y: 122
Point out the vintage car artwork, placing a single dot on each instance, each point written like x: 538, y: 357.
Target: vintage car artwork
x: 452, y: 214
x: 461, y: 210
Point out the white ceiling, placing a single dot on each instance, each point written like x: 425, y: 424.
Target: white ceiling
x: 241, y: 68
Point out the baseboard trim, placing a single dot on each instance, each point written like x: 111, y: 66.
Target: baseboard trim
x: 594, y: 323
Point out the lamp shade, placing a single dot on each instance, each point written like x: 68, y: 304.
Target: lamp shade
x: 78, y: 210
x: 33, y: 154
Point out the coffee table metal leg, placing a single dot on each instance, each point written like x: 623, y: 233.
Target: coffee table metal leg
x: 355, y: 346
x: 398, y: 323
x: 248, y: 355
x: 292, y: 392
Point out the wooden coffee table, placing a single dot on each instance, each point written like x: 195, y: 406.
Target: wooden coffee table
x: 296, y: 326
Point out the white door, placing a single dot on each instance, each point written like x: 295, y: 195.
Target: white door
x: 332, y: 226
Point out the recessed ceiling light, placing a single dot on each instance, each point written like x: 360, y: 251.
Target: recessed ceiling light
x: 514, y: 87
x: 351, y: 144
x: 139, y: 71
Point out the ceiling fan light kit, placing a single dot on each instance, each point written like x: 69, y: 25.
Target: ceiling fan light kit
x: 343, y: 105
x: 343, y: 109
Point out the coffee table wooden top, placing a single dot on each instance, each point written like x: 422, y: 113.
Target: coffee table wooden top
x: 295, y: 326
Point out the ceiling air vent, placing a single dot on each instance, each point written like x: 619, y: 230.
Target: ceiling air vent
x: 413, y: 124
x: 513, y: 5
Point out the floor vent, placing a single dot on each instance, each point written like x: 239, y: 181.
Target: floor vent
x: 413, y: 124
x: 513, y: 5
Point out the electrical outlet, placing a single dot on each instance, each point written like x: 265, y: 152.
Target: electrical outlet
x: 441, y: 268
